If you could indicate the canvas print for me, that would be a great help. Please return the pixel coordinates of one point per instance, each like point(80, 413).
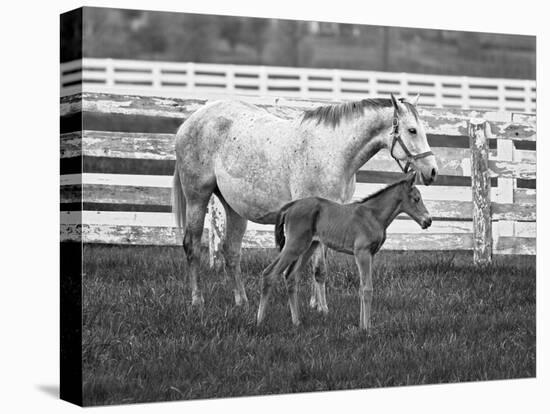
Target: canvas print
point(255, 206)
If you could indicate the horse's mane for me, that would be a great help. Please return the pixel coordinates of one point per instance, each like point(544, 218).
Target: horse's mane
point(382, 190)
point(333, 114)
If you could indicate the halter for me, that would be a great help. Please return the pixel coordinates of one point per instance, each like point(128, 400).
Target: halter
point(397, 138)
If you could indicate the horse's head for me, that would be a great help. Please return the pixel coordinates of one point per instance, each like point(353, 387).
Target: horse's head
point(413, 205)
point(408, 144)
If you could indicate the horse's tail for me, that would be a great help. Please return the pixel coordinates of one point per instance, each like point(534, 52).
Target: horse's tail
point(178, 199)
point(280, 227)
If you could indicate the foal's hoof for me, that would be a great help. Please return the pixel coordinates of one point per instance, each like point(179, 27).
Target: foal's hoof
point(366, 331)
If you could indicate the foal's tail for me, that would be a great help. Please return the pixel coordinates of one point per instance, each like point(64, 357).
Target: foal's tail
point(178, 199)
point(280, 226)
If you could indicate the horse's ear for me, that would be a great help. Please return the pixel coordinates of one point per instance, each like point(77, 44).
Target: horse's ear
point(414, 100)
point(394, 102)
point(411, 176)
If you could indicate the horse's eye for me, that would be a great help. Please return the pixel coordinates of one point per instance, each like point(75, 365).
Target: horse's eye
point(416, 199)
point(412, 131)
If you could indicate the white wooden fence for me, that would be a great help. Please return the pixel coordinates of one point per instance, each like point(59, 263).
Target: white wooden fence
point(118, 170)
point(171, 79)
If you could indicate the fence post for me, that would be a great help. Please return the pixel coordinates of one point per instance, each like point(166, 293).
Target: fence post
point(190, 69)
point(336, 84)
point(481, 191)
point(530, 95)
point(262, 80)
point(501, 96)
point(216, 229)
point(403, 85)
point(109, 73)
point(230, 79)
point(156, 82)
point(304, 92)
point(438, 86)
point(464, 96)
point(505, 189)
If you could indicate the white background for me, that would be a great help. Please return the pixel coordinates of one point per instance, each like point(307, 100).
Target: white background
point(29, 196)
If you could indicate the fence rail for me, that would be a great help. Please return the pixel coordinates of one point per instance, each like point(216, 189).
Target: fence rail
point(118, 170)
point(172, 79)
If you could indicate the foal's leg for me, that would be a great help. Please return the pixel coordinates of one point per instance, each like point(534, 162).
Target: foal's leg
point(269, 275)
point(235, 229)
point(267, 281)
point(292, 276)
point(318, 294)
point(196, 210)
point(363, 258)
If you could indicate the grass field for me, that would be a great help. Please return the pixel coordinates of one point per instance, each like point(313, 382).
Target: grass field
point(437, 319)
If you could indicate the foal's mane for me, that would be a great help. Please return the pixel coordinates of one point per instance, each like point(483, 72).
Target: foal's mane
point(333, 114)
point(383, 190)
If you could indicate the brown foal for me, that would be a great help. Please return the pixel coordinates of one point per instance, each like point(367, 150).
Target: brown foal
point(357, 228)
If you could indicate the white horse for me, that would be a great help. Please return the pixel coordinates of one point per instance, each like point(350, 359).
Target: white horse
point(256, 162)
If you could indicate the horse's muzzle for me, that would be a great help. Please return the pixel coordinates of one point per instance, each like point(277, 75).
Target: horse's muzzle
point(426, 223)
point(428, 179)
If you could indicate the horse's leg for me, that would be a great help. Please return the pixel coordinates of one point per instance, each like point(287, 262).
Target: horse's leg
point(234, 232)
point(196, 210)
point(318, 295)
point(363, 258)
point(292, 275)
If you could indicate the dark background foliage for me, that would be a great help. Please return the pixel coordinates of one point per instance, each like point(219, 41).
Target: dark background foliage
point(152, 35)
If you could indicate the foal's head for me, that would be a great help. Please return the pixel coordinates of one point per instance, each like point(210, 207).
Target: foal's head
point(413, 205)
